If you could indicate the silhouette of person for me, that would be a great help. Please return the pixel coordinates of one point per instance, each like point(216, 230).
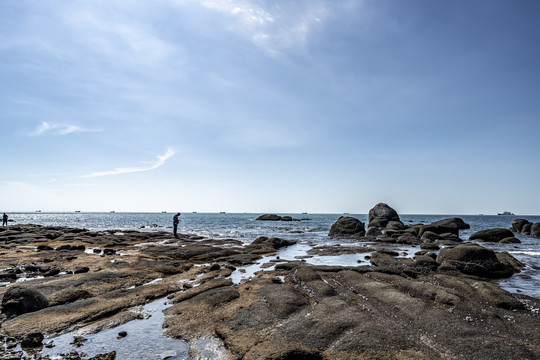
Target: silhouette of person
point(175, 225)
point(4, 219)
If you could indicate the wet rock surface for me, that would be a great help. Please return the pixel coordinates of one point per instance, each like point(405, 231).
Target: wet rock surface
point(427, 306)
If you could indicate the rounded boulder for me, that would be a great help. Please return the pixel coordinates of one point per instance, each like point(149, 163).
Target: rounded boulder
point(492, 235)
point(517, 224)
point(347, 227)
point(19, 300)
point(473, 259)
point(381, 214)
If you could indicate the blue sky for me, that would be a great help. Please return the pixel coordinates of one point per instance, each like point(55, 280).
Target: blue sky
point(270, 106)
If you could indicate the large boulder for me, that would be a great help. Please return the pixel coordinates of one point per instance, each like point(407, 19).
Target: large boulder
point(19, 300)
point(450, 225)
point(381, 214)
point(525, 227)
point(347, 227)
point(526, 230)
point(517, 224)
point(474, 259)
point(492, 235)
point(535, 230)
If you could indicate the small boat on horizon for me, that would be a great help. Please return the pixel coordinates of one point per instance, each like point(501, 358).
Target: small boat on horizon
point(506, 213)
point(163, 212)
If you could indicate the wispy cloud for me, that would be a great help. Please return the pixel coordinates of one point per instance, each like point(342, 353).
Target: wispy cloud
point(116, 37)
point(270, 28)
point(160, 160)
point(59, 129)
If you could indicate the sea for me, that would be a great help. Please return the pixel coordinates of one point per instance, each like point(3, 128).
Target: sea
point(309, 231)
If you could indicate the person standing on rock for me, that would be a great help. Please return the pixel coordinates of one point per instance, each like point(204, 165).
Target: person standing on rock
point(4, 219)
point(175, 224)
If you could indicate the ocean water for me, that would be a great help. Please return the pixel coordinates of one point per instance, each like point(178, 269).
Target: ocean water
point(311, 230)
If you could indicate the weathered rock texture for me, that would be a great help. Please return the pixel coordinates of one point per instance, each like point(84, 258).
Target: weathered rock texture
point(524, 227)
point(381, 214)
point(18, 300)
point(360, 314)
point(476, 260)
point(347, 227)
point(425, 307)
point(492, 235)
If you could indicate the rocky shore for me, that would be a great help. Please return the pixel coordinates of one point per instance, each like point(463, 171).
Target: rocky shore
point(439, 304)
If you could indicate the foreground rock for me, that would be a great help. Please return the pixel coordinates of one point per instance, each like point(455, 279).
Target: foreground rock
point(19, 300)
point(347, 227)
point(361, 314)
point(87, 287)
point(399, 308)
point(476, 260)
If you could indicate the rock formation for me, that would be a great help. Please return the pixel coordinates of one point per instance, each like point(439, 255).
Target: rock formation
point(347, 227)
point(492, 235)
point(19, 300)
point(274, 217)
point(381, 214)
point(425, 307)
point(474, 259)
point(524, 227)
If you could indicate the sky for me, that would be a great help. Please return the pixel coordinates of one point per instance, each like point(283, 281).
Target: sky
point(331, 106)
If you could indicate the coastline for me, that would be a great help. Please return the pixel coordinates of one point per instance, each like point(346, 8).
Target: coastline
point(399, 314)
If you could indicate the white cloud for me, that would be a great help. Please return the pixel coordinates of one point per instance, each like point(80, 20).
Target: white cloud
point(161, 159)
point(59, 129)
point(274, 30)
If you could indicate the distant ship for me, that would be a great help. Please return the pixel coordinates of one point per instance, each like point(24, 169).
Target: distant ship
point(506, 213)
point(77, 210)
point(112, 211)
point(163, 212)
point(38, 210)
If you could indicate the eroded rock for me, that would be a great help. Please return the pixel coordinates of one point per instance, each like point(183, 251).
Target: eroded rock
point(19, 300)
point(347, 227)
point(492, 235)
